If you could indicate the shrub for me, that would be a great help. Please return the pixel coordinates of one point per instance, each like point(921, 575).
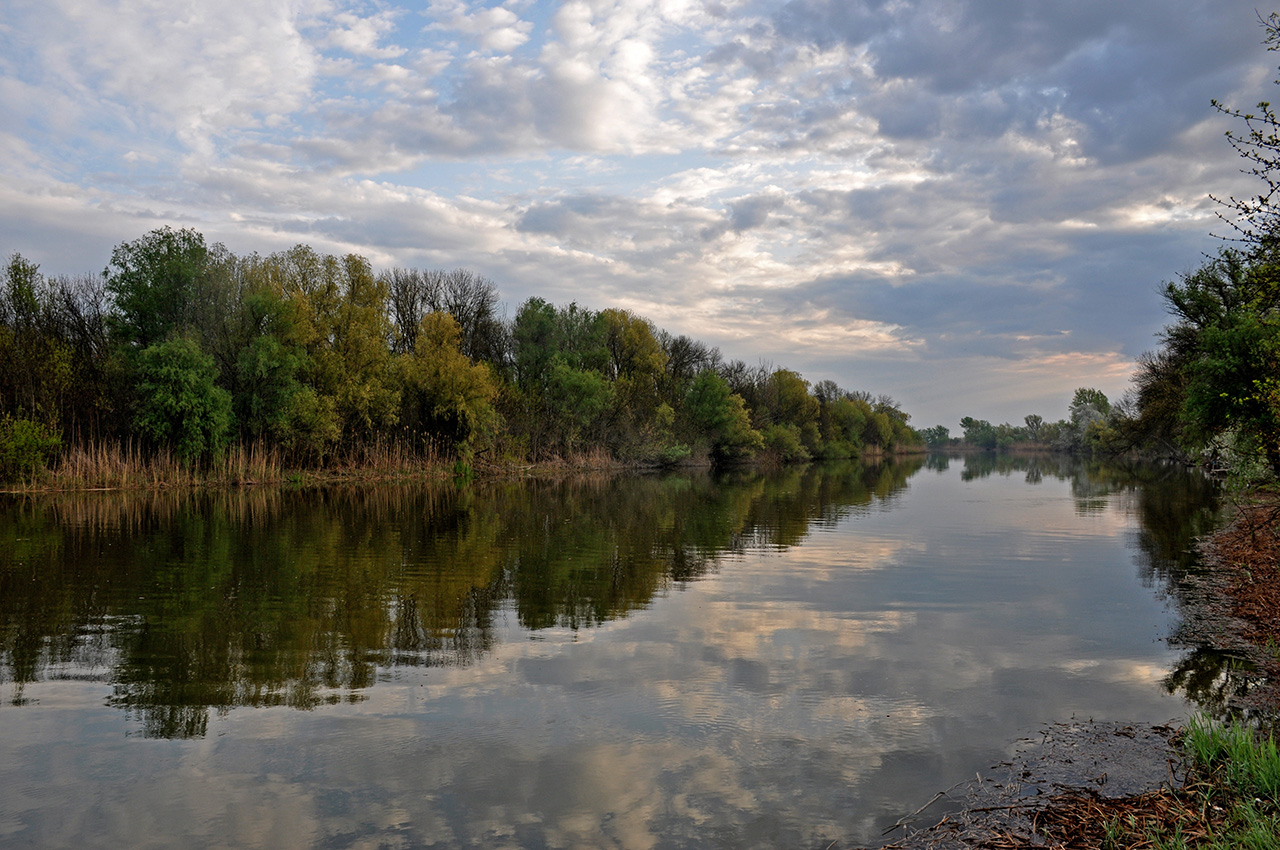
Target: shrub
point(783, 441)
point(25, 447)
point(178, 404)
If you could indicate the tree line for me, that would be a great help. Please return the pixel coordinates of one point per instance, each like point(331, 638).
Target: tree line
point(1090, 428)
point(185, 347)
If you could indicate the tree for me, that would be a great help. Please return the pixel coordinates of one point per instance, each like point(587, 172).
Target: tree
point(579, 401)
point(343, 324)
point(471, 300)
point(411, 294)
point(1035, 426)
point(686, 359)
point(979, 432)
point(937, 436)
point(1255, 220)
point(1220, 368)
point(844, 424)
point(25, 447)
point(720, 416)
point(153, 282)
point(445, 394)
point(635, 366)
point(1086, 402)
point(178, 404)
point(270, 398)
point(535, 338)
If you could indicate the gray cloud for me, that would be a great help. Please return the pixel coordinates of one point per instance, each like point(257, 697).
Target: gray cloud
point(859, 187)
point(1130, 76)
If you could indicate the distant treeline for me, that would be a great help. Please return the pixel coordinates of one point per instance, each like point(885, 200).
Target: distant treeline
point(1094, 426)
point(185, 348)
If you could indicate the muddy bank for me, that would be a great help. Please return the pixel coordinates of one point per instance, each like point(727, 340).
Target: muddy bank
point(1061, 788)
point(1068, 764)
point(1233, 609)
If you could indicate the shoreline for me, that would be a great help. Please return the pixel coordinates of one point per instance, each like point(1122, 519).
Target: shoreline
point(127, 471)
point(1065, 783)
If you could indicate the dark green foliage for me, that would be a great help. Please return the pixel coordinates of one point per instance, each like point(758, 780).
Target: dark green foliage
point(53, 349)
point(1214, 386)
point(178, 405)
point(153, 282)
point(979, 432)
point(268, 369)
point(580, 400)
point(718, 416)
point(1213, 389)
point(937, 436)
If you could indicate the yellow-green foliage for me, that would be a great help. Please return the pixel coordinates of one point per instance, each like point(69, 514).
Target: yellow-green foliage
point(344, 326)
point(444, 392)
point(25, 447)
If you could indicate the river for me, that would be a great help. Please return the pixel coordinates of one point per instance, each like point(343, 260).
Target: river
point(747, 660)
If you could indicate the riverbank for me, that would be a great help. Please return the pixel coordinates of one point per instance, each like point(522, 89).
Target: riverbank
point(1106, 785)
point(124, 466)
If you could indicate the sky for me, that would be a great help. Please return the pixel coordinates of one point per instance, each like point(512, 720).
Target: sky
point(968, 206)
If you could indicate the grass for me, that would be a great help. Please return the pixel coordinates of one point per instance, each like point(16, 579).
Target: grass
point(1230, 801)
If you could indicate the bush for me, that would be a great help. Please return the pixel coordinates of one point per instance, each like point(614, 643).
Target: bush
point(178, 404)
point(784, 443)
point(25, 447)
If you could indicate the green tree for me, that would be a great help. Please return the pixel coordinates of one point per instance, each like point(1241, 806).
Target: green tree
point(154, 282)
point(344, 325)
point(937, 436)
point(635, 366)
point(25, 447)
point(844, 424)
point(1217, 374)
point(536, 337)
point(178, 404)
point(579, 401)
point(270, 398)
point(719, 416)
point(784, 443)
point(979, 432)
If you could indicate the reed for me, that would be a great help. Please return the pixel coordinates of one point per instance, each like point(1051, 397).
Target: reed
point(112, 466)
point(255, 463)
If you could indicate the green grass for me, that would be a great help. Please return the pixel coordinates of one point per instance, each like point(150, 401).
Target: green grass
point(1234, 785)
point(1247, 762)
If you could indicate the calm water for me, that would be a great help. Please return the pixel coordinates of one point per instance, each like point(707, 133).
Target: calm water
point(746, 661)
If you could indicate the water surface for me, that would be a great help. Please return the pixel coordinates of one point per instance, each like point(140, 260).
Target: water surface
point(737, 661)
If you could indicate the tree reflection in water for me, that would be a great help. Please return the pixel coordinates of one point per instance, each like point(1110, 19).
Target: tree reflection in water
point(191, 603)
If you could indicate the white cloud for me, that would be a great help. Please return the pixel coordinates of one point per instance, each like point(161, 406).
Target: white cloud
point(361, 36)
point(782, 180)
point(496, 28)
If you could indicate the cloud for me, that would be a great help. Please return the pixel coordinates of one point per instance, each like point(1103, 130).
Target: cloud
point(360, 36)
point(495, 28)
point(851, 186)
